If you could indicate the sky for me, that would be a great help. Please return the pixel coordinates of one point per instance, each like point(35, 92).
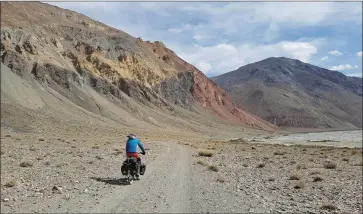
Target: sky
point(219, 37)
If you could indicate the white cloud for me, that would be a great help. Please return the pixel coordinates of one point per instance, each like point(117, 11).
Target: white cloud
point(272, 32)
point(359, 54)
point(357, 74)
point(324, 58)
point(343, 67)
point(204, 67)
point(335, 53)
point(186, 27)
point(226, 57)
point(232, 34)
point(198, 37)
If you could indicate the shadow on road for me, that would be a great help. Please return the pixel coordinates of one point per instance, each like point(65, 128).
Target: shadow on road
point(112, 181)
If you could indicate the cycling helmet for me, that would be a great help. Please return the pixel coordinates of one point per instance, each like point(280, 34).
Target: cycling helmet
point(132, 136)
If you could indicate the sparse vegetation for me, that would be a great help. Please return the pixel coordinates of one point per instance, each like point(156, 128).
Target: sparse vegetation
point(358, 164)
point(41, 139)
point(317, 179)
point(260, 165)
point(213, 168)
point(346, 159)
point(354, 152)
point(294, 177)
point(95, 147)
point(329, 165)
point(11, 183)
point(271, 179)
point(329, 207)
point(299, 185)
point(279, 153)
point(26, 164)
point(206, 153)
point(315, 172)
point(47, 163)
point(99, 157)
point(202, 162)
point(61, 165)
point(299, 166)
point(245, 165)
point(221, 180)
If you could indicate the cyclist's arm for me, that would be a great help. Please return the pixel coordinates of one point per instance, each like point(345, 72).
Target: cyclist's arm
point(141, 146)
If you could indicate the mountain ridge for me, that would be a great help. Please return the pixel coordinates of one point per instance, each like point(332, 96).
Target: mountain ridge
point(66, 51)
point(308, 93)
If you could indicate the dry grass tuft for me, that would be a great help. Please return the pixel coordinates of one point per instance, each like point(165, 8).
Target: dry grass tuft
point(61, 165)
point(354, 152)
point(271, 179)
point(260, 165)
point(294, 177)
point(315, 172)
point(213, 168)
point(329, 207)
point(300, 166)
point(202, 162)
point(206, 153)
point(41, 139)
point(11, 183)
point(317, 179)
point(299, 185)
point(358, 164)
point(221, 180)
point(329, 165)
point(279, 153)
point(26, 164)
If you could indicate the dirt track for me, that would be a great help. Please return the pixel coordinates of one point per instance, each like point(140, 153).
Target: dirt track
point(165, 187)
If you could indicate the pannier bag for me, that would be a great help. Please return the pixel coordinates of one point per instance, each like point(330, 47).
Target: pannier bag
point(142, 169)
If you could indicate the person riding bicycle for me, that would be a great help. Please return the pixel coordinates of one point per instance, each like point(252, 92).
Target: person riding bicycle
point(131, 149)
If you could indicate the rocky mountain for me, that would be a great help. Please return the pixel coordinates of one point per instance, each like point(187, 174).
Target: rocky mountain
point(291, 93)
point(71, 56)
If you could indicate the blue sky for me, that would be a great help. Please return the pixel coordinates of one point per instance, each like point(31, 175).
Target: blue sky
point(218, 37)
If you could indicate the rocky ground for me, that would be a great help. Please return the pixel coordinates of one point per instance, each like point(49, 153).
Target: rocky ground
point(260, 178)
point(70, 174)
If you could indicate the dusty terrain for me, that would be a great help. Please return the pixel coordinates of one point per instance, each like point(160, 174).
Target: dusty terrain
point(70, 174)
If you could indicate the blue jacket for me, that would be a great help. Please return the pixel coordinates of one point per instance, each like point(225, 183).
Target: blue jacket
point(131, 145)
